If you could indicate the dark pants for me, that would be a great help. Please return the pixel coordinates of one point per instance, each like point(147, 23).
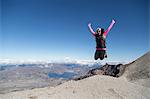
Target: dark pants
point(100, 54)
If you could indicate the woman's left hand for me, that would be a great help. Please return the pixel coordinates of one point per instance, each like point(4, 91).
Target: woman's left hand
point(113, 21)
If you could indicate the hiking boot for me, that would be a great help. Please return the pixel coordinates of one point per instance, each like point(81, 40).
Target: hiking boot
point(105, 55)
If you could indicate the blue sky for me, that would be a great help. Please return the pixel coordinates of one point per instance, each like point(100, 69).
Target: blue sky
point(56, 29)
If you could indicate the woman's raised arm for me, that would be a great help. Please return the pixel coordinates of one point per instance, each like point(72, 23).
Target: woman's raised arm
point(109, 28)
point(90, 28)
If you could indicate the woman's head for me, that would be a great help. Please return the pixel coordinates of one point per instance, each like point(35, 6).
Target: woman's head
point(100, 31)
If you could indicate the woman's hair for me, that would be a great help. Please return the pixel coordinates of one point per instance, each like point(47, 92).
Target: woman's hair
point(102, 31)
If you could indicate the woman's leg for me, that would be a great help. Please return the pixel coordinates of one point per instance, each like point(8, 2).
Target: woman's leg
point(102, 54)
point(96, 56)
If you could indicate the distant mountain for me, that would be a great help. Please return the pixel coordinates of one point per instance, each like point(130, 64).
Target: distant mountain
point(20, 76)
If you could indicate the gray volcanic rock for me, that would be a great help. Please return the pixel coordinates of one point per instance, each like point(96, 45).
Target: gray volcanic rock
point(107, 69)
point(139, 70)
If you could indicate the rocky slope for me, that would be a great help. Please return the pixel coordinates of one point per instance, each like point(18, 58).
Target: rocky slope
point(139, 71)
point(95, 87)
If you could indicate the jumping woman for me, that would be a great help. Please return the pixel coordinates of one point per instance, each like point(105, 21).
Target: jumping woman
point(100, 37)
